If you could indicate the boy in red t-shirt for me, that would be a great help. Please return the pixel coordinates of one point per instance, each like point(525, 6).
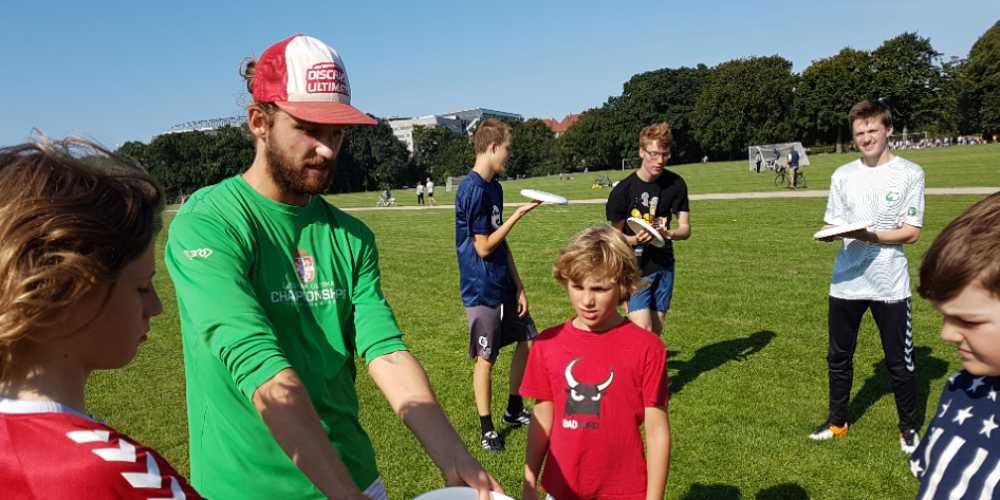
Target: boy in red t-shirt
point(596, 379)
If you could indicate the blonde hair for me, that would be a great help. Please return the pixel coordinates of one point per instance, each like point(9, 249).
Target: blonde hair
point(599, 252)
point(72, 215)
point(248, 68)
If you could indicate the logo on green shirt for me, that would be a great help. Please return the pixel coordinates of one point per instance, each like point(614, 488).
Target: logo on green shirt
point(304, 266)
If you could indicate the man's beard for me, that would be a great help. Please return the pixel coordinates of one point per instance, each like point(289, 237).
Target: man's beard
point(296, 180)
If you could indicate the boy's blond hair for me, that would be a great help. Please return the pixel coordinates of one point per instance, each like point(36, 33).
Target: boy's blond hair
point(659, 132)
point(598, 252)
point(966, 252)
point(491, 131)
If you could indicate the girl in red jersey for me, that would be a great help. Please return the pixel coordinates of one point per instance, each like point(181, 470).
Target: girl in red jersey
point(77, 226)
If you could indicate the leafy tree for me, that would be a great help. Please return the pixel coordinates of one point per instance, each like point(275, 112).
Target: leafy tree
point(664, 95)
point(908, 80)
point(746, 101)
point(370, 158)
point(827, 91)
point(441, 152)
point(533, 149)
point(586, 145)
point(979, 86)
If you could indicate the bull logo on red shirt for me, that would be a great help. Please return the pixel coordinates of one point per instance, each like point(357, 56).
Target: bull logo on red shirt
point(304, 266)
point(585, 399)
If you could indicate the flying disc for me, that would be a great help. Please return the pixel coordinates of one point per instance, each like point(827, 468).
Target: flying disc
point(846, 228)
point(639, 225)
point(535, 194)
point(459, 493)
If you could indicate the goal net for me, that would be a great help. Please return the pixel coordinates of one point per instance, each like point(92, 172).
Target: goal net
point(769, 160)
point(453, 183)
point(631, 163)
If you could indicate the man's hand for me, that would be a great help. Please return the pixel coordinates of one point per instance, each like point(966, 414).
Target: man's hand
point(642, 237)
point(860, 234)
point(468, 472)
point(522, 302)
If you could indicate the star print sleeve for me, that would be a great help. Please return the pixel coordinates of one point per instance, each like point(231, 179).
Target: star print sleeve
point(211, 268)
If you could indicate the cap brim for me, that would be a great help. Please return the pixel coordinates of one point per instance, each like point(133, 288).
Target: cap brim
point(330, 113)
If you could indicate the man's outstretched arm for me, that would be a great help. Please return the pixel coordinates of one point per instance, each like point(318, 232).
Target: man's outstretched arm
point(405, 385)
point(286, 409)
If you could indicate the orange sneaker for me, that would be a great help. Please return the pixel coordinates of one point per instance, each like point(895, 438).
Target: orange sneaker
point(828, 430)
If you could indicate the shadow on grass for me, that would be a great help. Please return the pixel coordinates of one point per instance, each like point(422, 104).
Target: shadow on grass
point(713, 356)
point(878, 385)
point(787, 491)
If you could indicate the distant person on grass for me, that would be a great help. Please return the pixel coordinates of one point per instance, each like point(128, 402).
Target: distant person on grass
point(492, 293)
point(793, 166)
point(758, 159)
point(420, 193)
point(430, 192)
point(656, 195)
point(960, 275)
point(77, 259)
point(871, 268)
point(596, 379)
point(277, 292)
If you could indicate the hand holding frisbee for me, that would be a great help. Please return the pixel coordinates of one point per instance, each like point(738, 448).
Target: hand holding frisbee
point(842, 229)
point(639, 225)
point(459, 493)
point(535, 194)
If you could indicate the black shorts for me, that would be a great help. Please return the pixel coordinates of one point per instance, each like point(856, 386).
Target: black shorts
point(492, 328)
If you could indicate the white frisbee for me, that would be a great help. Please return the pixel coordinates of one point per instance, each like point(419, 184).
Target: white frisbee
point(459, 493)
point(639, 225)
point(846, 228)
point(535, 194)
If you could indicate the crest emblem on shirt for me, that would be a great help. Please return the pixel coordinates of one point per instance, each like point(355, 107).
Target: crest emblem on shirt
point(892, 196)
point(304, 266)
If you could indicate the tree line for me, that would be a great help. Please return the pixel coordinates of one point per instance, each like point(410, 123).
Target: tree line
point(713, 111)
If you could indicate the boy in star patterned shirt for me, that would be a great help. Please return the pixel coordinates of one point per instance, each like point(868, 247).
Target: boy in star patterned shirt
point(960, 455)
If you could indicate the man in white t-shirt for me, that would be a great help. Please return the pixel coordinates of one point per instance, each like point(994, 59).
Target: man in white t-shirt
point(430, 192)
point(871, 270)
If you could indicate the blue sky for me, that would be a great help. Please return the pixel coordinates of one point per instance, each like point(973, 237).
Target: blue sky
point(117, 71)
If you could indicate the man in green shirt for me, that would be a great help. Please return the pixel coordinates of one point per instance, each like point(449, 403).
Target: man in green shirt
point(277, 290)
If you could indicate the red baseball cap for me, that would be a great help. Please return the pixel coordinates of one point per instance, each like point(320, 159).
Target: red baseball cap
point(306, 79)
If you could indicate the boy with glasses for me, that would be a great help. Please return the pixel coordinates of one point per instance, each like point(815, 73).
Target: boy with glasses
point(655, 195)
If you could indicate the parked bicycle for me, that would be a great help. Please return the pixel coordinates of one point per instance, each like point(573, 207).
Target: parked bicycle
point(781, 180)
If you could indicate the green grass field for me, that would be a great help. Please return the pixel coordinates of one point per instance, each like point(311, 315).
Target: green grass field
point(746, 338)
point(957, 166)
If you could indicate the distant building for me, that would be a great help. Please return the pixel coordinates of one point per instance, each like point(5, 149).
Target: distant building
point(560, 127)
point(462, 122)
point(208, 126)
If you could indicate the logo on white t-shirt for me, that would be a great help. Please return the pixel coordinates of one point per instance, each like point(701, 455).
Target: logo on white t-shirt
point(892, 195)
point(304, 266)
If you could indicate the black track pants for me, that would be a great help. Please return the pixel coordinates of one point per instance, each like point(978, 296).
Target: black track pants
point(894, 322)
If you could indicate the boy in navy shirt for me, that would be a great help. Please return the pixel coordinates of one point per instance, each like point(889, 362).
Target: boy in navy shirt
point(960, 454)
point(494, 298)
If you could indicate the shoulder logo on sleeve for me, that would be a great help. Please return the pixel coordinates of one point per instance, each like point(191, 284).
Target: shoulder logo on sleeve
point(912, 212)
point(199, 252)
point(495, 220)
point(304, 266)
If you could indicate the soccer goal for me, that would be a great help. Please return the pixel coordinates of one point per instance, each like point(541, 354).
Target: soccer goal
point(631, 163)
point(769, 160)
point(453, 183)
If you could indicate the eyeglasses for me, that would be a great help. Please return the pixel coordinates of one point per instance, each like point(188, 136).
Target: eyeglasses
point(658, 154)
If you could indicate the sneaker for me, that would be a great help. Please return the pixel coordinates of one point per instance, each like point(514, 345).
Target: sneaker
point(828, 430)
point(909, 440)
point(491, 441)
point(523, 418)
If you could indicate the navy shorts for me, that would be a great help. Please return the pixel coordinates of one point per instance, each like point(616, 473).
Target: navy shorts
point(656, 295)
point(492, 328)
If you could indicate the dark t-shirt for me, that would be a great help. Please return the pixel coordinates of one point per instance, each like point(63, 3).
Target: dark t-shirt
point(479, 210)
point(633, 197)
point(794, 155)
